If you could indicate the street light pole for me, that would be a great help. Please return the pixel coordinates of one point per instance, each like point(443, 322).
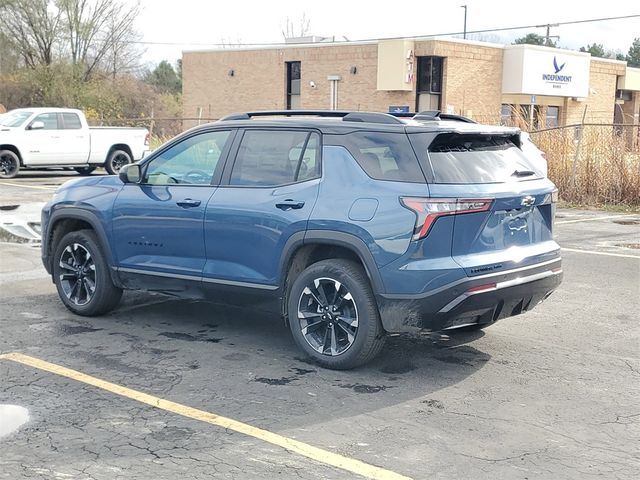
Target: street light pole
point(464, 35)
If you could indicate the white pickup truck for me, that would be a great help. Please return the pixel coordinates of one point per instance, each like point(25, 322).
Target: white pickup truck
point(41, 138)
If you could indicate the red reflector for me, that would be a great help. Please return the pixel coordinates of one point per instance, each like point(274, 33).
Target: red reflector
point(482, 288)
point(558, 269)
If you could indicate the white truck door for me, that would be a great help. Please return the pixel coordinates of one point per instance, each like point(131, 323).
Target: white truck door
point(44, 144)
point(75, 139)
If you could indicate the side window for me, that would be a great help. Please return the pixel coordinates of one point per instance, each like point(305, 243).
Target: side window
point(385, 156)
point(50, 120)
point(193, 161)
point(271, 158)
point(71, 121)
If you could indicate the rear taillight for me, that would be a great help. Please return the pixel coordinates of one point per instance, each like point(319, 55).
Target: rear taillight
point(146, 140)
point(428, 210)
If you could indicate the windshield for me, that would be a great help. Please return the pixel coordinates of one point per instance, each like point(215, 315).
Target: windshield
point(14, 119)
point(457, 158)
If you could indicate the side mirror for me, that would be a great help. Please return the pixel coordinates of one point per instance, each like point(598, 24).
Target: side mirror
point(38, 125)
point(130, 173)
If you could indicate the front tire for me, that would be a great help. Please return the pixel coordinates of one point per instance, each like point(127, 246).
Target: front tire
point(81, 275)
point(9, 164)
point(116, 160)
point(333, 315)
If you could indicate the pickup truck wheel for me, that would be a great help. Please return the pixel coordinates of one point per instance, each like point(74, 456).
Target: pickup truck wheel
point(333, 315)
point(84, 170)
point(117, 159)
point(9, 164)
point(81, 275)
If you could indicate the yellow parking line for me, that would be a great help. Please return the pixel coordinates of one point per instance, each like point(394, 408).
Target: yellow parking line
point(590, 219)
point(27, 186)
point(309, 451)
point(593, 252)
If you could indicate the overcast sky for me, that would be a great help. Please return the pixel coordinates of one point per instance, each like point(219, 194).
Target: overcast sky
point(193, 22)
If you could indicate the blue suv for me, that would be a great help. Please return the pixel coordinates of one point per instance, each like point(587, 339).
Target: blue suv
point(351, 225)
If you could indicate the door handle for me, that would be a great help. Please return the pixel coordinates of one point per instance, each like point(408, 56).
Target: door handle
point(289, 204)
point(188, 203)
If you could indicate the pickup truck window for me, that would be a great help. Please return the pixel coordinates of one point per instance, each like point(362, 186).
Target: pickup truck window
point(71, 121)
point(15, 119)
point(50, 120)
point(192, 161)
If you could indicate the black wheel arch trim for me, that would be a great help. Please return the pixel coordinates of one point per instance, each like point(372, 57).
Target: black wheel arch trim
point(331, 237)
point(75, 213)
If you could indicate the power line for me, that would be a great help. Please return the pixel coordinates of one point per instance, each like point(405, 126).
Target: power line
point(489, 30)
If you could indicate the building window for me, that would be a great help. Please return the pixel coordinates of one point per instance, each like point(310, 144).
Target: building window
point(429, 87)
point(293, 85)
point(551, 120)
point(506, 114)
point(528, 118)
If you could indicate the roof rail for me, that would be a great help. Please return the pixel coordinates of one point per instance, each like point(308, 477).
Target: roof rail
point(433, 115)
point(367, 117)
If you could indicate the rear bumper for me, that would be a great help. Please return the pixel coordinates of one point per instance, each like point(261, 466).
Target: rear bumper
point(477, 300)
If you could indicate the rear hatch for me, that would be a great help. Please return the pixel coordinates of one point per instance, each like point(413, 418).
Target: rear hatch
point(506, 206)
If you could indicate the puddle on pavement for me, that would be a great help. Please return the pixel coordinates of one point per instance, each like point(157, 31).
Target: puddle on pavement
point(627, 222)
point(12, 417)
point(635, 246)
point(20, 223)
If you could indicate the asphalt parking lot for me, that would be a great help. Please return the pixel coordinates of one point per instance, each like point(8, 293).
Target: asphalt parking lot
point(199, 391)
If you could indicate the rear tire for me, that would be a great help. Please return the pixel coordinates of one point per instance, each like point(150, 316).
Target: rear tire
point(9, 164)
point(81, 275)
point(116, 160)
point(333, 315)
point(84, 171)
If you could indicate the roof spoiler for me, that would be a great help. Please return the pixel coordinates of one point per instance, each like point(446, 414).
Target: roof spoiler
point(432, 115)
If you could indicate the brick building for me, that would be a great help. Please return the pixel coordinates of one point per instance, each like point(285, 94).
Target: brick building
point(490, 83)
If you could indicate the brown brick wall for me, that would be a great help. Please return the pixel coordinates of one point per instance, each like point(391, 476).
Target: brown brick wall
point(600, 104)
point(259, 79)
point(472, 78)
point(472, 81)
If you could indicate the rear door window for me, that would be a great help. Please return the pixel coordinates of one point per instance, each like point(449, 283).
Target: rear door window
point(384, 156)
point(268, 158)
point(479, 158)
point(71, 121)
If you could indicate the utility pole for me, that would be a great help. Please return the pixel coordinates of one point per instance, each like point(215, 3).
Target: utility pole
point(548, 36)
point(464, 35)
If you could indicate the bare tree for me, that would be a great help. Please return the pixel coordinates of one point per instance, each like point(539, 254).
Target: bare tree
point(290, 31)
point(92, 34)
point(32, 28)
point(99, 33)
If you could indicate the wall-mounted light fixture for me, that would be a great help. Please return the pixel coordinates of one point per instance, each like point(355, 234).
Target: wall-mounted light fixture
point(312, 84)
point(231, 73)
point(353, 70)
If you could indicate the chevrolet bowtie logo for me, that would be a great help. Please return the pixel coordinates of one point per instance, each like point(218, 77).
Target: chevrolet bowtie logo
point(528, 201)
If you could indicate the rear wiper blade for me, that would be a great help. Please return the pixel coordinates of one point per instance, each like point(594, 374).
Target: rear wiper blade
point(523, 173)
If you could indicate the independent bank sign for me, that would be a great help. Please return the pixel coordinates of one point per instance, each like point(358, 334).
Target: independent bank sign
point(536, 70)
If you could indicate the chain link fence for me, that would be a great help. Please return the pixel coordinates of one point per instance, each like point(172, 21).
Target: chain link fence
point(593, 163)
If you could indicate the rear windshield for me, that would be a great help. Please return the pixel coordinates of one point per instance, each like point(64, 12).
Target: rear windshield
point(464, 158)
